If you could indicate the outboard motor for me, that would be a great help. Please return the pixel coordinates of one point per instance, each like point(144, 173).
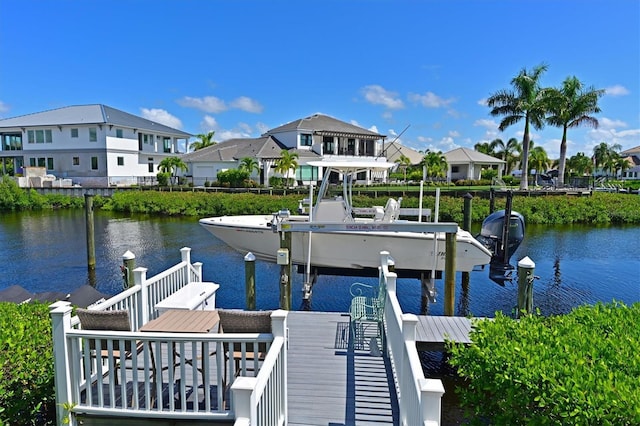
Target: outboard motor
point(492, 235)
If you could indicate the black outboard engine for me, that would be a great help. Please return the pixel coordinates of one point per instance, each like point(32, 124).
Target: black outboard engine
point(492, 236)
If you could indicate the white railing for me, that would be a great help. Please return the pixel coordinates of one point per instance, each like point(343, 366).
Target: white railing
point(262, 400)
point(419, 398)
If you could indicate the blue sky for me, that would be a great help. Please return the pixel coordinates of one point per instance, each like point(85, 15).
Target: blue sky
point(242, 67)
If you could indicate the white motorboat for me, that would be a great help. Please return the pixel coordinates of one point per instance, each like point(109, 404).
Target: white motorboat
point(350, 249)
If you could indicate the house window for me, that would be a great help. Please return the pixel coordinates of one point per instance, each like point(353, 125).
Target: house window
point(74, 133)
point(306, 139)
point(49, 163)
point(41, 162)
point(32, 162)
point(454, 169)
point(39, 136)
point(307, 173)
point(93, 134)
point(119, 133)
point(166, 144)
point(12, 142)
point(120, 161)
point(150, 159)
point(94, 163)
point(76, 161)
point(327, 144)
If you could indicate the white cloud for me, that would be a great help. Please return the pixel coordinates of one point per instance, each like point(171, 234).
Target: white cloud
point(377, 95)
point(374, 128)
point(482, 102)
point(454, 133)
point(616, 90)
point(161, 116)
point(487, 124)
point(209, 104)
point(262, 128)
point(430, 100)
point(3, 107)
point(208, 124)
point(609, 124)
point(246, 104)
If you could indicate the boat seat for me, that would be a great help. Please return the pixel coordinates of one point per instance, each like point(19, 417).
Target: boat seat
point(391, 210)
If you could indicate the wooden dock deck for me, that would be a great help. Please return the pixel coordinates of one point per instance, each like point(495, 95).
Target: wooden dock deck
point(330, 384)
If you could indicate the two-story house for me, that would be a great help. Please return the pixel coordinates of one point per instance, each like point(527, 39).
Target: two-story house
point(312, 138)
point(91, 145)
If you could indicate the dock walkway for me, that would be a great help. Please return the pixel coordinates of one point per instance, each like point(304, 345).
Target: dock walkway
point(330, 384)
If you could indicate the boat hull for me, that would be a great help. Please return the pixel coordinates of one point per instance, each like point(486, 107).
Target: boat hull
point(347, 250)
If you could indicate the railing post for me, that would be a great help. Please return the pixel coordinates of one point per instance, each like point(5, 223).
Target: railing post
point(409, 325)
point(242, 390)
point(197, 267)
point(279, 329)
point(431, 391)
point(185, 253)
point(140, 278)
point(61, 323)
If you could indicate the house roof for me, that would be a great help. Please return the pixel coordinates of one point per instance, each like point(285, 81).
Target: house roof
point(466, 156)
point(89, 114)
point(631, 151)
point(393, 151)
point(324, 125)
point(236, 149)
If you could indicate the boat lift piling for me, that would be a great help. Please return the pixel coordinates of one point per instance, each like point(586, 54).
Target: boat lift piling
point(250, 280)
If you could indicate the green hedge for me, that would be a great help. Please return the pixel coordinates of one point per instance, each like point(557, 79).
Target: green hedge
point(582, 368)
point(26, 365)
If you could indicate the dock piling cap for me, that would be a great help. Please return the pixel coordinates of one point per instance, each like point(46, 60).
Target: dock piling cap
point(250, 257)
point(128, 255)
point(526, 262)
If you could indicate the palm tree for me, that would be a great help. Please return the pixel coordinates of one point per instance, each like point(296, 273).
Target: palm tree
point(204, 141)
point(604, 155)
point(580, 164)
point(507, 152)
point(539, 160)
point(569, 107)
point(403, 162)
point(172, 165)
point(286, 162)
point(526, 102)
point(484, 147)
point(436, 164)
point(249, 164)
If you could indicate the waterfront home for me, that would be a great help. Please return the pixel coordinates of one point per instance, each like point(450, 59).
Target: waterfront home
point(90, 145)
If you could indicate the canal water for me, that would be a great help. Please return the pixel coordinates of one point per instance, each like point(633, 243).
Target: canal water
point(576, 265)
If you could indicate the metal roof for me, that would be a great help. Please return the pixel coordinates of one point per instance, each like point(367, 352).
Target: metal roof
point(89, 114)
point(466, 155)
point(237, 149)
point(324, 125)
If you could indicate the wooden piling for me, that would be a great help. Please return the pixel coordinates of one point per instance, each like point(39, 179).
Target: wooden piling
point(285, 272)
point(250, 280)
point(91, 242)
point(450, 274)
point(526, 267)
point(128, 265)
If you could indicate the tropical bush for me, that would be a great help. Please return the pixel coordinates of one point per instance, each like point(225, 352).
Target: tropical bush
point(163, 178)
point(233, 178)
point(26, 365)
point(582, 368)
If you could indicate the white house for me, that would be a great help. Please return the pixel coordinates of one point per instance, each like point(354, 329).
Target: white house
point(92, 145)
point(312, 138)
point(465, 163)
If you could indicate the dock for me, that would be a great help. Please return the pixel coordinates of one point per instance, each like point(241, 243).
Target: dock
point(329, 383)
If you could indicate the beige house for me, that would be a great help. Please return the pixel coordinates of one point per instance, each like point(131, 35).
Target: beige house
point(465, 163)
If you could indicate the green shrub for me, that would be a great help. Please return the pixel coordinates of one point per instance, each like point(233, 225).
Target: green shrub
point(163, 178)
point(582, 368)
point(234, 178)
point(26, 365)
